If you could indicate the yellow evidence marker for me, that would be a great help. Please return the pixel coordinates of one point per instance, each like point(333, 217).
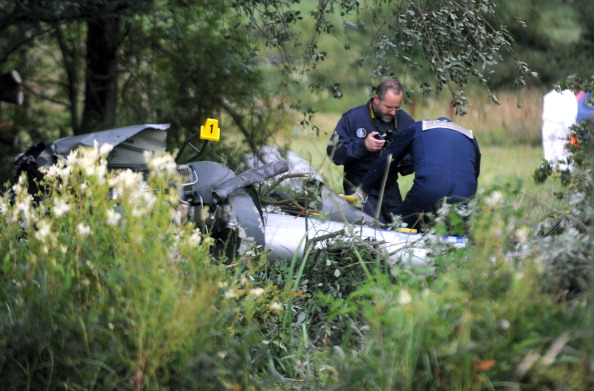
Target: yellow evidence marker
point(210, 130)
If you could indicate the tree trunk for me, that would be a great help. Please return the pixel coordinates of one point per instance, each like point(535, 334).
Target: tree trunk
point(100, 103)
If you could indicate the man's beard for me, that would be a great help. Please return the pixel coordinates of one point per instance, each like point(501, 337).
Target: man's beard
point(385, 117)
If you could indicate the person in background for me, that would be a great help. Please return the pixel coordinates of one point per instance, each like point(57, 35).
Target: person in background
point(560, 109)
point(447, 162)
point(584, 110)
point(360, 137)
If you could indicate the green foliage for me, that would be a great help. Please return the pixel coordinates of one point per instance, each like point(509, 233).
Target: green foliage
point(567, 243)
point(552, 37)
point(442, 44)
point(211, 64)
point(470, 329)
point(512, 309)
point(253, 63)
point(104, 287)
point(485, 317)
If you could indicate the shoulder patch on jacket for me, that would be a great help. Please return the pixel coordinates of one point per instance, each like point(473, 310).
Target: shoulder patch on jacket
point(433, 124)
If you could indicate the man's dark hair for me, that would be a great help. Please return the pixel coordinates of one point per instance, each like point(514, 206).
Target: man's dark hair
point(388, 84)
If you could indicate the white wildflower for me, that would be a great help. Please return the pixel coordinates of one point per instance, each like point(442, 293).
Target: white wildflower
point(43, 230)
point(142, 200)
point(404, 297)
point(3, 206)
point(256, 292)
point(58, 170)
point(275, 306)
point(79, 158)
point(83, 230)
point(522, 234)
point(63, 249)
point(163, 162)
point(20, 186)
point(61, 207)
point(113, 217)
point(195, 238)
point(105, 149)
point(23, 208)
point(125, 182)
point(504, 324)
point(149, 199)
point(90, 160)
point(139, 210)
point(230, 294)
point(101, 171)
point(494, 199)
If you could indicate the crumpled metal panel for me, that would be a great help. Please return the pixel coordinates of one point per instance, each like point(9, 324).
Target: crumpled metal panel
point(156, 141)
point(129, 143)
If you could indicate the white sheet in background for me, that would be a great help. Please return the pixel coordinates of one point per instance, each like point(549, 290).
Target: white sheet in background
point(558, 114)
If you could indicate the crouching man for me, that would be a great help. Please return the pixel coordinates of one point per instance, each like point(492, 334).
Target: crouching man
point(447, 161)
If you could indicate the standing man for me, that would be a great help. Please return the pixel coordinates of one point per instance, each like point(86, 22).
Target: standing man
point(360, 138)
point(447, 164)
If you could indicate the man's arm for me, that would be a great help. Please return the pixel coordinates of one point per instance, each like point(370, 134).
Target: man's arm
point(398, 148)
point(344, 143)
point(405, 165)
point(477, 164)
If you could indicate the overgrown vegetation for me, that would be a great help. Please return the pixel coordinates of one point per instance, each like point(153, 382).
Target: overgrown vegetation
point(568, 268)
point(105, 288)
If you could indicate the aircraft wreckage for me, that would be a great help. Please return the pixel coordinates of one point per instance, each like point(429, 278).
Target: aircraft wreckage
point(226, 206)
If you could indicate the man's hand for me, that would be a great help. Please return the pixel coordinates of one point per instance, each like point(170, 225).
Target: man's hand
point(373, 144)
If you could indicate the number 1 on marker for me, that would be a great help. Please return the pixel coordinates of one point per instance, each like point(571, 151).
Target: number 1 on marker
point(214, 134)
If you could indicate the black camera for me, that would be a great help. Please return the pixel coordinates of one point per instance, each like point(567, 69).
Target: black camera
point(380, 136)
point(388, 136)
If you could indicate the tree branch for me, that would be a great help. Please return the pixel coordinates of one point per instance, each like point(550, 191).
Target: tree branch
point(560, 212)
